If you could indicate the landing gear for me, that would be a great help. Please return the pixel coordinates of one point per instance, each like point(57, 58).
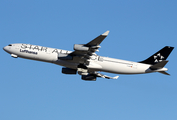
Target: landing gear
point(82, 69)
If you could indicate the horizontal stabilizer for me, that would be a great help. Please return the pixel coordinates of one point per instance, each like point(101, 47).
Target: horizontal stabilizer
point(163, 72)
point(159, 65)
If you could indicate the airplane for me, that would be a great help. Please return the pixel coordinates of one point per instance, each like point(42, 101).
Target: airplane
point(84, 61)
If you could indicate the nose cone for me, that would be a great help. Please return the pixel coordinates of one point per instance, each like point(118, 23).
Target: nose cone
point(5, 48)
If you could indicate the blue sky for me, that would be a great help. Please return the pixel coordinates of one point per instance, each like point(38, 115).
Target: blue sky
point(36, 90)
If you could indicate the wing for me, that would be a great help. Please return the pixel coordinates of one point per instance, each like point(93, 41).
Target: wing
point(82, 55)
point(97, 41)
point(93, 76)
point(86, 50)
point(105, 76)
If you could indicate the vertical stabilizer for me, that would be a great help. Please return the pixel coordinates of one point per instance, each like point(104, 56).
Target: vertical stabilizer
point(159, 56)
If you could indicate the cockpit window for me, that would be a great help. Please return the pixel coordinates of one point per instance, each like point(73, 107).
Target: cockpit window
point(9, 45)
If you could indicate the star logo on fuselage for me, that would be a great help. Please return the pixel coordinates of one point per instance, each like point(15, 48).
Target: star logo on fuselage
point(158, 57)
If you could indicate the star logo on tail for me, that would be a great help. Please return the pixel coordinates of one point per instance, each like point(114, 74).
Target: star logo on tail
point(158, 58)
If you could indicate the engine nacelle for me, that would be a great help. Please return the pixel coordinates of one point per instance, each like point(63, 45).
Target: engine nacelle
point(89, 77)
point(80, 47)
point(64, 57)
point(69, 71)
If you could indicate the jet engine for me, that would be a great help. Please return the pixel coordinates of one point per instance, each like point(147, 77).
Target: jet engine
point(89, 77)
point(69, 71)
point(80, 47)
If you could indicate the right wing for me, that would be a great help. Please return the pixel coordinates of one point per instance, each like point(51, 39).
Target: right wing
point(97, 41)
point(82, 55)
point(86, 50)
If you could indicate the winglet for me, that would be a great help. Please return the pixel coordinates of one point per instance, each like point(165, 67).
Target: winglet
point(106, 33)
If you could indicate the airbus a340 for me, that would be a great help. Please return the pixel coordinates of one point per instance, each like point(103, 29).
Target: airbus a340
point(84, 61)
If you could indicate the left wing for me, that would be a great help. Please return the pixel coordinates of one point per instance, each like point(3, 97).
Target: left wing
point(94, 75)
point(105, 76)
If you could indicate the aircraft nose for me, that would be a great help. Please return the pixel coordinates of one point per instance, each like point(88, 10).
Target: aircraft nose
point(5, 48)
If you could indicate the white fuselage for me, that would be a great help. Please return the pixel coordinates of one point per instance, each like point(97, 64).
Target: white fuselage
point(97, 63)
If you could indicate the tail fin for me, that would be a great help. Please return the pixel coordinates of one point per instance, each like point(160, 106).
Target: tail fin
point(159, 56)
